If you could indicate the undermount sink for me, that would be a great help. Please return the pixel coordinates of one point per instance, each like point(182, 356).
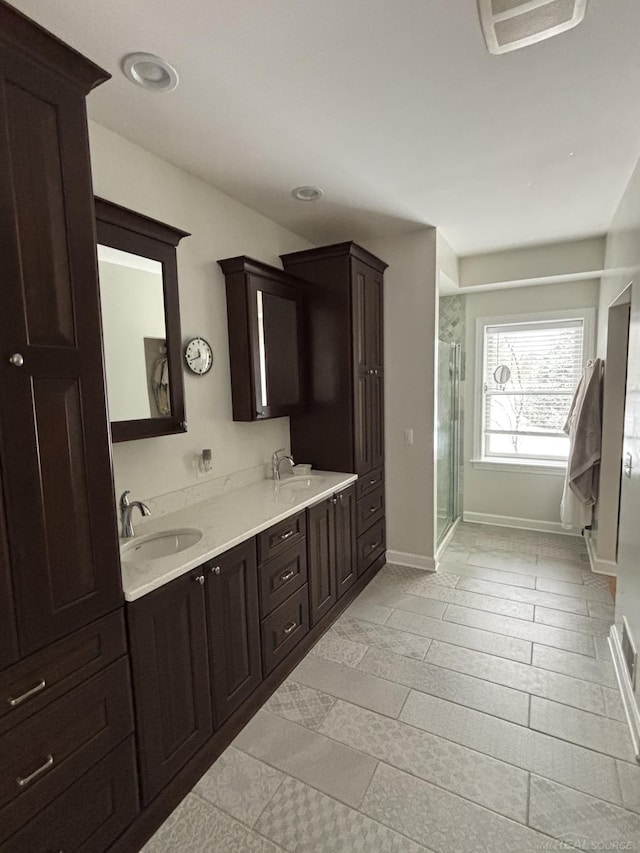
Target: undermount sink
point(157, 545)
point(299, 482)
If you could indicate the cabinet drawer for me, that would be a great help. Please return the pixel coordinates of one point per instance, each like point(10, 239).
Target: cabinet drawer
point(48, 752)
point(370, 509)
point(90, 814)
point(370, 546)
point(368, 482)
point(34, 682)
point(284, 628)
point(277, 538)
point(282, 576)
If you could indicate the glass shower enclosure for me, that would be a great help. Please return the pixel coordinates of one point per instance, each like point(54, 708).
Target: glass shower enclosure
point(447, 438)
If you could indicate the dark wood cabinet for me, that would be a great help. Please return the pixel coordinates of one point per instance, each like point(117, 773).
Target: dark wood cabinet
point(331, 553)
point(54, 445)
point(233, 628)
point(265, 316)
point(342, 426)
point(170, 664)
point(345, 538)
point(321, 546)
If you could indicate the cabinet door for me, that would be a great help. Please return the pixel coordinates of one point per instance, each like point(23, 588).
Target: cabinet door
point(345, 532)
point(8, 630)
point(55, 441)
point(234, 628)
point(362, 424)
point(375, 420)
point(170, 664)
point(321, 559)
point(367, 308)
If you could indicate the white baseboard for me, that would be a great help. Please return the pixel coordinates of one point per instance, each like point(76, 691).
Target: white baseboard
point(626, 689)
point(520, 523)
point(412, 561)
point(599, 567)
point(447, 538)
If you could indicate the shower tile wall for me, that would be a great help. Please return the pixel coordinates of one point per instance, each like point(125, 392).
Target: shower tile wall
point(452, 312)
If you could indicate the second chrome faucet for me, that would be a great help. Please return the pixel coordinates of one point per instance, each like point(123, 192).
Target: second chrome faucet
point(126, 510)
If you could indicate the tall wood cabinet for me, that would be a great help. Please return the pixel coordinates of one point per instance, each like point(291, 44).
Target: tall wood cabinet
point(342, 427)
point(66, 725)
point(59, 558)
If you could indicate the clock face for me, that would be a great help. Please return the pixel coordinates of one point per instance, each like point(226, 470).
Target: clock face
point(198, 356)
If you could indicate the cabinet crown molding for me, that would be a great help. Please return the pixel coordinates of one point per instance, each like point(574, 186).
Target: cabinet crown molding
point(337, 250)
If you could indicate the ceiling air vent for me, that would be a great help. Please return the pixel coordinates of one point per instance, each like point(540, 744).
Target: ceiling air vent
point(511, 24)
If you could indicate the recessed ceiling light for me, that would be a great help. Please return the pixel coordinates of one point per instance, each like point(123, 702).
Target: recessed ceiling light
point(149, 71)
point(571, 153)
point(307, 193)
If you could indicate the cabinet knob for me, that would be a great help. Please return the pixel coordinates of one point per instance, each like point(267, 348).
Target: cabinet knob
point(215, 570)
point(334, 500)
point(16, 359)
point(199, 579)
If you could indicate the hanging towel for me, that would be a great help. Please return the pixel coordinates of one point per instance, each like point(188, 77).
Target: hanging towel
point(584, 428)
point(160, 386)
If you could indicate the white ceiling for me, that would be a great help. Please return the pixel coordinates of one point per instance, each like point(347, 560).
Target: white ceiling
point(394, 107)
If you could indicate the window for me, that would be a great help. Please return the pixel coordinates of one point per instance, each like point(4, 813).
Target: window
point(529, 369)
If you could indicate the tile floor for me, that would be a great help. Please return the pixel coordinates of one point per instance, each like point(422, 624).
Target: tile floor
point(471, 710)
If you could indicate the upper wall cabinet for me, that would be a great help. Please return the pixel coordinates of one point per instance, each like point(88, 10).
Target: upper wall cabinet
point(266, 339)
point(141, 322)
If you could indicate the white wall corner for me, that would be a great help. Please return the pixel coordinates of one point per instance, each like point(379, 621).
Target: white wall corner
point(626, 689)
point(411, 561)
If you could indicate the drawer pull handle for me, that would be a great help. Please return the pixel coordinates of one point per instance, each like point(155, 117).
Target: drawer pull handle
point(374, 545)
point(22, 782)
point(372, 482)
point(287, 535)
point(20, 699)
point(286, 576)
point(373, 508)
point(289, 628)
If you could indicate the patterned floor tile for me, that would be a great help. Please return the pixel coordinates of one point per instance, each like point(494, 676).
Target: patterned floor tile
point(598, 733)
point(338, 771)
point(629, 775)
point(586, 822)
point(530, 596)
point(476, 777)
point(300, 704)
point(529, 679)
point(442, 821)
point(448, 684)
point(595, 581)
point(355, 686)
point(239, 784)
point(469, 637)
point(302, 819)
point(198, 827)
point(590, 593)
point(495, 575)
point(542, 754)
point(533, 632)
point(579, 666)
point(332, 647)
point(381, 636)
point(584, 624)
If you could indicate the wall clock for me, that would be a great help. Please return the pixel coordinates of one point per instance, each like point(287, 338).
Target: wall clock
point(198, 356)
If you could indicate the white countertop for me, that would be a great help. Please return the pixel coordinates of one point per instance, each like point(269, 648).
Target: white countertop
point(225, 521)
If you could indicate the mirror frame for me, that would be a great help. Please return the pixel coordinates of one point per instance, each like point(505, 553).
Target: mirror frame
point(121, 228)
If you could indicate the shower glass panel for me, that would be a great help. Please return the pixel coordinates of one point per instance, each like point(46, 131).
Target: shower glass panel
point(447, 437)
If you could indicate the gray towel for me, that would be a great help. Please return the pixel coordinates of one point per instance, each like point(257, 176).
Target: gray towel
point(584, 427)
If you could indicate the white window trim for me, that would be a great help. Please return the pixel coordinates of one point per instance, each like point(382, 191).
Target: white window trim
point(522, 466)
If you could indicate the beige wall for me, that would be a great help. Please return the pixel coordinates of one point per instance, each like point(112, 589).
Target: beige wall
point(410, 304)
point(513, 494)
point(220, 228)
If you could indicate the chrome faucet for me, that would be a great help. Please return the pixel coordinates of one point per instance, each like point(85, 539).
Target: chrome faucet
point(276, 459)
point(126, 510)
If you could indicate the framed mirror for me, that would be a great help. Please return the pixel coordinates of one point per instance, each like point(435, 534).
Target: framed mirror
point(140, 322)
